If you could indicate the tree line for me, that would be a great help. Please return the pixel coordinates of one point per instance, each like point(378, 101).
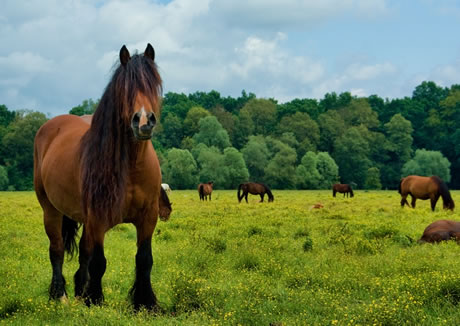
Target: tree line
point(369, 142)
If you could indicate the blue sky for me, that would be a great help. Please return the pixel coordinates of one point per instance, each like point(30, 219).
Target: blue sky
point(56, 53)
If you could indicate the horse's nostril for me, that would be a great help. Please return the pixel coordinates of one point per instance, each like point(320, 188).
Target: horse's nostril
point(145, 129)
point(152, 119)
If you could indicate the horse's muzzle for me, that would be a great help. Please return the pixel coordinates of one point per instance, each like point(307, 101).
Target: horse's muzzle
point(143, 124)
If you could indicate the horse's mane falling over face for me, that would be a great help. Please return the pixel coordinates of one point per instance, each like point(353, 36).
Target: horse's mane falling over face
point(109, 147)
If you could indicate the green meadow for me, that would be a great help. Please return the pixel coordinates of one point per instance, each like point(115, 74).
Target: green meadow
point(356, 261)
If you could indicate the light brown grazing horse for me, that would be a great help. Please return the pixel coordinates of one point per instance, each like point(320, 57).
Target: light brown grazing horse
point(205, 190)
point(100, 172)
point(441, 230)
point(425, 188)
point(343, 188)
point(254, 189)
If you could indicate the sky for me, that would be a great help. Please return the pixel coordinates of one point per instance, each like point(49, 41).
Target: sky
point(56, 53)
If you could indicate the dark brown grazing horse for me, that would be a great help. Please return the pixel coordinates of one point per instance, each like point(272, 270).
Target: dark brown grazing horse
point(425, 188)
point(100, 172)
point(254, 189)
point(343, 188)
point(441, 230)
point(205, 190)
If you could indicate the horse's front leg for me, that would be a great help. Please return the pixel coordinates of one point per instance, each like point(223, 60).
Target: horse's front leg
point(142, 294)
point(262, 198)
point(88, 278)
point(434, 200)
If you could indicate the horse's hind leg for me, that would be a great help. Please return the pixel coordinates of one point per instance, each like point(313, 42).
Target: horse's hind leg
point(246, 196)
point(413, 201)
point(53, 228)
point(142, 293)
point(88, 278)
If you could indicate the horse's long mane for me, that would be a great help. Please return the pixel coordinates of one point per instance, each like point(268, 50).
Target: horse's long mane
point(444, 192)
point(268, 191)
point(108, 148)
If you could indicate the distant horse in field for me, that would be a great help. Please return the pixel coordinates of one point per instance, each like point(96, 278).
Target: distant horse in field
point(343, 188)
point(441, 230)
point(100, 171)
point(425, 188)
point(254, 189)
point(205, 190)
point(166, 187)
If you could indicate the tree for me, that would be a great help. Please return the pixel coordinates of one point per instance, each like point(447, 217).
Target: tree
point(352, 156)
point(192, 119)
point(332, 126)
point(307, 175)
point(398, 146)
point(302, 126)
point(3, 178)
point(172, 133)
point(235, 168)
point(428, 163)
point(180, 170)
point(212, 133)
point(86, 107)
point(256, 156)
point(18, 148)
point(372, 179)
point(263, 115)
point(211, 165)
point(359, 112)
point(280, 171)
point(327, 169)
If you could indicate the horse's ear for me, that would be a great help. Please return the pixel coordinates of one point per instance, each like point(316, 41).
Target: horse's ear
point(124, 55)
point(149, 52)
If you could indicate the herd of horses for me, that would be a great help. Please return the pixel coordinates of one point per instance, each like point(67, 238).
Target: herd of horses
point(102, 170)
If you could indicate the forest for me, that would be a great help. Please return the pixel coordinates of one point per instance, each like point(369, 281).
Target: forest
point(369, 142)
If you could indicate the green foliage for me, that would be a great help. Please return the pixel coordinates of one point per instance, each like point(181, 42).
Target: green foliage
point(192, 119)
point(428, 163)
point(212, 134)
point(17, 146)
point(262, 114)
point(256, 156)
point(373, 179)
point(86, 107)
point(235, 168)
point(180, 171)
point(4, 182)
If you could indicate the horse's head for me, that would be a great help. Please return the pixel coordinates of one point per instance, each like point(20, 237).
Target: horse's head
point(144, 87)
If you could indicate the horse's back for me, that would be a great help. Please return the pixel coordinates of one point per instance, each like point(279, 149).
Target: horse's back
point(419, 186)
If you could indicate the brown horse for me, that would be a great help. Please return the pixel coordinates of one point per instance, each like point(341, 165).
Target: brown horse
point(205, 190)
point(441, 230)
point(425, 188)
point(343, 188)
point(254, 189)
point(100, 172)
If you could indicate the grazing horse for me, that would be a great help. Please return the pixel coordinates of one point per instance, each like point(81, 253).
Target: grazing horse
point(254, 189)
point(101, 171)
point(425, 188)
point(441, 230)
point(344, 189)
point(205, 190)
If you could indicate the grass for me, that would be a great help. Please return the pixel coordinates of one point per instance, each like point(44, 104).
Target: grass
point(354, 262)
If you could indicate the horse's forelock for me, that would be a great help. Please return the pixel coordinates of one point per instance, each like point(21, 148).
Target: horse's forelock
point(109, 144)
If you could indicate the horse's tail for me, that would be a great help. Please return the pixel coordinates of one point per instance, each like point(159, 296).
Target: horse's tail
point(269, 192)
point(239, 192)
point(201, 191)
point(444, 192)
point(69, 234)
